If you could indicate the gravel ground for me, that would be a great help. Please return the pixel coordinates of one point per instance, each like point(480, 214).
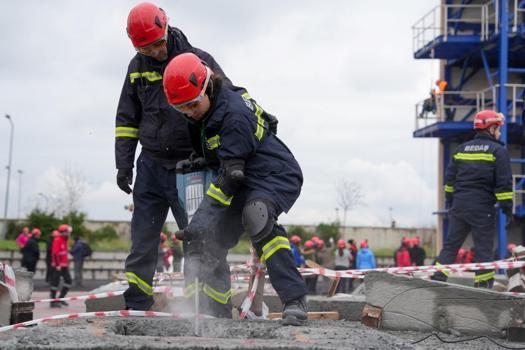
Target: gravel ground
point(157, 333)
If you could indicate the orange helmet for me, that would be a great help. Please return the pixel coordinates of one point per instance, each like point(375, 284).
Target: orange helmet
point(487, 118)
point(308, 244)
point(341, 243)
point(147, 24)
point(295, 239)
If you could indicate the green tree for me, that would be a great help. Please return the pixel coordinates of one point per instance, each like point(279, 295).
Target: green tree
point(104, 233)
point(327, 231)
point(299, 231)
point(46, 222)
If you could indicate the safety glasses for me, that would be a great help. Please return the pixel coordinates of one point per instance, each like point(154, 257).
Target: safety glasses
point(145, 50)
point(192, 104)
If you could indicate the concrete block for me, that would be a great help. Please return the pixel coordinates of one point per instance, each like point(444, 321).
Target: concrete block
point(22, 312)
point(24, 284)
point(414, 304)
point(349, 307)
point(5, 305)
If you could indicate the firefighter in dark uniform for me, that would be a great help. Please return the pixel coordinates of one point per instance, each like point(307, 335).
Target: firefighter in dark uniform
point(144, 115)
point(258, 179)
point(479, 176)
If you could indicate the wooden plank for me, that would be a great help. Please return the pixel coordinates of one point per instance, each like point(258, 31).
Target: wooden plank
point(333, 286)
point(313, 315)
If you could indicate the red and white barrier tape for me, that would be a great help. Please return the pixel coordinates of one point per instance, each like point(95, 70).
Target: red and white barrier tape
point(120, 313)
point(501, 264)
point(161, 289)
point(259, 272)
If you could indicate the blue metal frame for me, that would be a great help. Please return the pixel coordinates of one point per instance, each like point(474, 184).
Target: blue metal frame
point(492, 55)
point(501, 104)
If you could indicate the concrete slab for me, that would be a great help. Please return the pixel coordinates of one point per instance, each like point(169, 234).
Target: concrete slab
point(136, 333)
point(421, 305)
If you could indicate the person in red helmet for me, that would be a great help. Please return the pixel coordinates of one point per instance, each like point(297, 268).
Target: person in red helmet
point(478, 177)
point(343, 261)
point(295, 241)
point(49, 245)
point(417, 253)
point(365, 257)
point(22, 238)
point(30, 251)
point(258, 179)
point(402, 254)
point(60, 265)
point(144, 115)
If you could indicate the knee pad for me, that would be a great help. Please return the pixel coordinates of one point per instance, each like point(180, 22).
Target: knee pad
point(258, 220)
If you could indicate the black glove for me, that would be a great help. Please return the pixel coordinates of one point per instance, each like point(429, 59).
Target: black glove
point(181, 235)
point(124, 179)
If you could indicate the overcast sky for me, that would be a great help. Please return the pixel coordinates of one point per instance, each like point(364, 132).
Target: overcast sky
point(339, 75)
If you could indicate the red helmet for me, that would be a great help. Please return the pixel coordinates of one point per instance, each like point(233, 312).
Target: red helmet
point(295, 239)
point(364, 244)
point(184, 78)
point(308, 244)
point(341, 243)
point(36, 232)
point(320, 243)
point(487, 118)
point(147, 23)
point(64, 228)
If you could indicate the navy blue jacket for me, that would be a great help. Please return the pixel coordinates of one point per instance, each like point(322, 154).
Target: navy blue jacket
point(479, 174)
point(144, 114)
point(234, 128)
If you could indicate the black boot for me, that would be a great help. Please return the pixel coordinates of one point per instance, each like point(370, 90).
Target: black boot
point(53, 295)
point(295, 312)
point(63, 293)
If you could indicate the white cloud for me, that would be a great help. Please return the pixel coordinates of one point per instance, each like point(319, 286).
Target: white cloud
point(339, 75)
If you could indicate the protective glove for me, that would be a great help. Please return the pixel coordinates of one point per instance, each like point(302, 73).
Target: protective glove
point(124, 179)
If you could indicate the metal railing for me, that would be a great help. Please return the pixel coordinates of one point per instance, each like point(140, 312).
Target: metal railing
point(518, 19)
point(462, 105)
point(432, 25)
point(517, 189)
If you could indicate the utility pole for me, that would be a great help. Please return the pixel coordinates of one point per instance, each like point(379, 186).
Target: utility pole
point(20, 172)
point(4, 233)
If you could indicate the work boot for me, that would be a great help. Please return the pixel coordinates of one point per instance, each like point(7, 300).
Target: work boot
point(65, 303)
point(295, 312)
point(54, 304)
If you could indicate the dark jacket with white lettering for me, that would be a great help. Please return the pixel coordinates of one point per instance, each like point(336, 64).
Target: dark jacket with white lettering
point(479, 174)
point(233, 129)
point(144, 114)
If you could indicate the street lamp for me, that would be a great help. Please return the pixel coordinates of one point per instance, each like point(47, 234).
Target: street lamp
point(20, 172)
point(8, 174)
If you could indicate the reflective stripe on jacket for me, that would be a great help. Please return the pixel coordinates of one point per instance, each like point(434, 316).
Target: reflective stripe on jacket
point(479, 173)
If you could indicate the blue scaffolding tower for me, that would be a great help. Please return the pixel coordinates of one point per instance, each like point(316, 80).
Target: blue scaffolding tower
point(481, 47)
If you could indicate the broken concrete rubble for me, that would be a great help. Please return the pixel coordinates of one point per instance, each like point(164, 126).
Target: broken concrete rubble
point(415, 304)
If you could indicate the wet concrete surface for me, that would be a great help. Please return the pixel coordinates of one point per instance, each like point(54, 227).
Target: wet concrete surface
point(157, 333)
